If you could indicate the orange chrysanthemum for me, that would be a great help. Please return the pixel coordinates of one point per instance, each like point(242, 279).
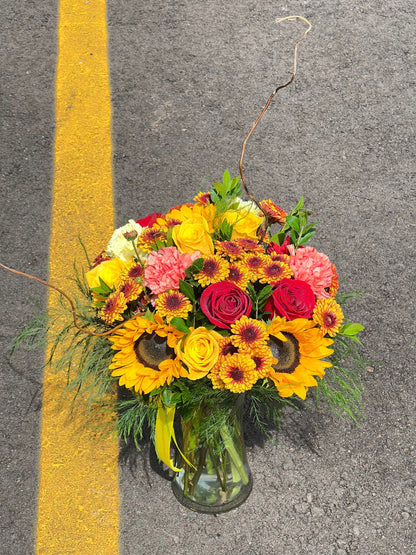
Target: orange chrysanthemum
point(249, 333)
point(276, 214)
point(171, 304)
point(131, 289)
point(147, 239)
point(333, 288)
point(274, 271)
point(249, 245)
point(263, 359)
point(229, 249)
point(254, 263)
point(133, 271)
point(114, 307)
point(215, 269)
point(238, 274)
point(328, 315)
point(238, 373)
point(203, 198)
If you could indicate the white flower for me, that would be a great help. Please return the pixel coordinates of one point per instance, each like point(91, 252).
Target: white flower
point(248, 205)
point(120, 247)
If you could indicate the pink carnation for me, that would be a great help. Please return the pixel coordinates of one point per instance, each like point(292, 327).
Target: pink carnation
point(165, 268)
point(313, 267)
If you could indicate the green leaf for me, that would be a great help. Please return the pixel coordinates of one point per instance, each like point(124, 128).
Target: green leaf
point(293, 236)
point(305, 238)
point(167, 397)
point(195, 267)
point(298, 206)
point(265, 292)
point(187, 289)
point(179, 324)
point(160, 244)
point(226, 178)
point(226, 230)
point(310, 227)
point(279, 237)
point(351, 329)
point(303, 218)
point(293, 221)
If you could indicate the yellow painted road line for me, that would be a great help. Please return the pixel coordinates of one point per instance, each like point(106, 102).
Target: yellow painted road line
point(78, 491)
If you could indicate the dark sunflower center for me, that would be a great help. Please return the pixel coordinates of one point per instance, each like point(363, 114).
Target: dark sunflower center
point(287, 353)
point(151, 350)
point(236, 374)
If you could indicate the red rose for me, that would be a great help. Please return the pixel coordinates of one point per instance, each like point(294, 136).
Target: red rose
point(223, 303)
point(291, 298)
point(149, 220)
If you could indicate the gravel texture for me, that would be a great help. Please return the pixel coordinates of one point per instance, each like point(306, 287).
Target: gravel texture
point(188, 80)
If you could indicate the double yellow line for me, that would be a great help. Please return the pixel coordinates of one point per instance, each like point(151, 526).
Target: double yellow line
point(78, 508)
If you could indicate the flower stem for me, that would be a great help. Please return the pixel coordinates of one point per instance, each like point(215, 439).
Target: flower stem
point(232, 451)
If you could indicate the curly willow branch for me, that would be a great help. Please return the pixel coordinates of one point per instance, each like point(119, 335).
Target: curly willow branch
point(74, 314)
point(253, 198)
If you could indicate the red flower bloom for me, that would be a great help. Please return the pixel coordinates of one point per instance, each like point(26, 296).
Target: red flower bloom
point(149, 220)
point(291, 298)
point(223, 303)
point(280, 249)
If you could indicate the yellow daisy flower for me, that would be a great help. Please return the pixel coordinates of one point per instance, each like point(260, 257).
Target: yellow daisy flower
point(238, 373)
point(215, 269)
point(238, 274)
point(274, 271)
point(171, 304)
point(248, 333)
point(114, 307)
point(328, 315)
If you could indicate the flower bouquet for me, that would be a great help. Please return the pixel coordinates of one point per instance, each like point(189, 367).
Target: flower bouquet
point(201, 312)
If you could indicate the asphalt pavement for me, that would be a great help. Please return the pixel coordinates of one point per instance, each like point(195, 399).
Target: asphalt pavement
point(188, 80)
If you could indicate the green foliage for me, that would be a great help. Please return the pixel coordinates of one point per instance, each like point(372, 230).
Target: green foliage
point(296, 225)
point(341, 389)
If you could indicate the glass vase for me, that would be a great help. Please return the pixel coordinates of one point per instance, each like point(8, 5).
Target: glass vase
point(214, 476)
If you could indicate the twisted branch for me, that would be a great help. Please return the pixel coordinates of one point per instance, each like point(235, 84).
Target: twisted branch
point(74, 314)
point(253, 198)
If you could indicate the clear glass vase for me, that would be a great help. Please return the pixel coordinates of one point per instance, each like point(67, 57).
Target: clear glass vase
point(215, 476)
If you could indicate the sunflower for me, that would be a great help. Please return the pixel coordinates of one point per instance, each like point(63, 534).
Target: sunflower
point(215, 269)
point(173, 304)
point(328, 315)
point(114, 307)
point(274, 271)
point(145, 357)
point(248, 333)
point(238, 373)
point(299, 347)
point(229, 249)
point(238, 274)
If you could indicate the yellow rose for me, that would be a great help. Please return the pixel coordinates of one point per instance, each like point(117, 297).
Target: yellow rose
point(244, 222)
point(109, 271)
point(193, 235)
point(199, 351)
